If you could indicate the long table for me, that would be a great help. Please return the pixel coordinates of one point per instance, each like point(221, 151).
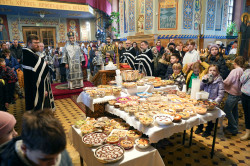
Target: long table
point(156, 133)
point(133, 157)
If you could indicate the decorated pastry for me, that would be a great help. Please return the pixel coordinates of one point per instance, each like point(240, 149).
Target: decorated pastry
point(127, 144)
point(112, 139)
point(94, 139)
point(146, 120)
point(201, 110)
point(142, 143)
point(181, 94)
point(139, 114)
point(108, 129)
point(117, 91)
point(132, 110)
point(190, 110)
point(168, 111)
point(109, 153)
point(153, 113)
point(99, 124)
point(132, 103)
point(122, 106)
point(134, 98)
point(163, 119)
point(86, 128)
point(157, 84)
point(134, 134)
point(177, 118)
point(129, 85)
point(184, 115)
point(119, 133)
point(79, 123)
point(112, 102)
point(122, 99)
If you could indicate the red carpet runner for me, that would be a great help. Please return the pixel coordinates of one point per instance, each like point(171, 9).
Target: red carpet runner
point(67, 93)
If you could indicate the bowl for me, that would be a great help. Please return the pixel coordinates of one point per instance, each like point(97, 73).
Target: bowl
point(142, 143)
point(94, 139)
point(113, 139)
point(163, 119)
point(109, 153)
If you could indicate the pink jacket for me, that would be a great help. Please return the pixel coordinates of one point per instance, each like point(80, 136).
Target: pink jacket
point(232, 83)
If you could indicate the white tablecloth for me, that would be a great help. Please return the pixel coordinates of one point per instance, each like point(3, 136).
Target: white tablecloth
point(89, 101)
point(147, 88)
point(133, 157)
point(156, 133)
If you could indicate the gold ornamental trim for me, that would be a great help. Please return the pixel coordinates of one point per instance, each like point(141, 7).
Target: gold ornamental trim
point(47, 5)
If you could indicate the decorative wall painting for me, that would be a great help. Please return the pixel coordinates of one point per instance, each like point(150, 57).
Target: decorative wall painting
point(168, 14)
point(73, 26)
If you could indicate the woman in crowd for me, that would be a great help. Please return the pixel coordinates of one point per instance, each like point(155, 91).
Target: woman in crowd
point(156, 58)
point(217, 59)
point(137, 50)
point(245, 98)
point(232, 87)
point(163, 65)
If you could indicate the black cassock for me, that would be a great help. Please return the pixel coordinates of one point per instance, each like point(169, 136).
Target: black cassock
point(145, 62)
point(129, 56)
point(36, 82)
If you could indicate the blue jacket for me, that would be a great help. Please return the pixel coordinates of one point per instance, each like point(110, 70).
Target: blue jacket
point(12, 63)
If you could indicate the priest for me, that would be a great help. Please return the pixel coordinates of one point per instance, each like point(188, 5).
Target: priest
point(38, 93)
point(145, 60)
point(129, 56)
point(73, 58)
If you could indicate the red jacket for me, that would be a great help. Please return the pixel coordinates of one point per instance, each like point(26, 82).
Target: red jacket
point(8, 74)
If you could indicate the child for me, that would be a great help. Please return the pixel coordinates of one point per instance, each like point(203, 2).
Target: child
point(175, 58)
point(163, 66)
point(177, 76)
point(42, 142)
point(10, 78)
point(97, 61)
point(192, 55)
point(232, 87)
point(7, 131)
point(197, 70)
point(215, 88)
point(215, 58)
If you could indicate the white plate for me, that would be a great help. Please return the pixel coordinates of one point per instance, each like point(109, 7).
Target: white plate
point(163, 119)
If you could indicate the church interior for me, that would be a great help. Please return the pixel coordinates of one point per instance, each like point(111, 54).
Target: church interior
point(103, 31)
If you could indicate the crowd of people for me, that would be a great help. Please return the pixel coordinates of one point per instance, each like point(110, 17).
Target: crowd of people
point(178, 62)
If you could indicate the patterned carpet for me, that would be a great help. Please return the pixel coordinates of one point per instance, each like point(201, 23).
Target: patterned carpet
point(229, 150)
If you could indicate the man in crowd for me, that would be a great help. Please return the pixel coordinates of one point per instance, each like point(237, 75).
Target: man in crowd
point(91, 57)
point(109, 50)
point(16, 51)
point(47, 58)
point(73, 59)
point(171, 42)
point(3, 47)
point(129, 56)
point(38, 93)
point(145, 60)
point(42, 142)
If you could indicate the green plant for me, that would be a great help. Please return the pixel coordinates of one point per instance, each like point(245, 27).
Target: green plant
point(114, 17)
point(232, 29)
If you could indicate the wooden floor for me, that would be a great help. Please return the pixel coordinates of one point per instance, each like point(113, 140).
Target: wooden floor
point(229, 150)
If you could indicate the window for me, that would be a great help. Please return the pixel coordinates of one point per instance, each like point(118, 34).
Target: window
point(230, 12)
